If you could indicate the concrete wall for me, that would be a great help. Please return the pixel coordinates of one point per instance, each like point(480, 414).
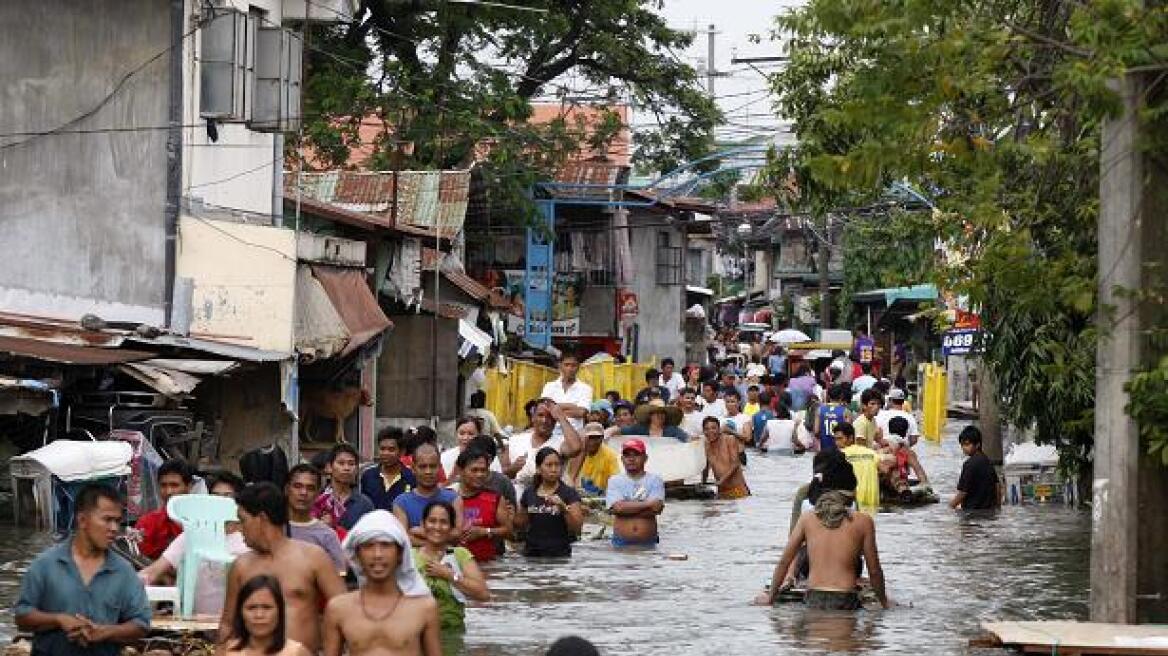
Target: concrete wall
point(244, 281)
point(659, 320)
point(597, 311)
point(249, 405)
point(83, 213)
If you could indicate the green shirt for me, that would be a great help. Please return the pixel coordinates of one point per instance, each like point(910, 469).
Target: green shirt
point(451, 610)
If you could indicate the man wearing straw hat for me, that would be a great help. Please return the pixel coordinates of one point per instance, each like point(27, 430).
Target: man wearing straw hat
point(655, 419)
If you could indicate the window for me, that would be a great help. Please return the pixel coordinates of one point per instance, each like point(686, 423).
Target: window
point(226, 64)
point(250, 71)
point(276, 107)
point(669, 260)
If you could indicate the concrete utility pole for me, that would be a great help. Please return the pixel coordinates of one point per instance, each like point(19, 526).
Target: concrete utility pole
point(824, 274)
point(1114, 529)
point(711, 68)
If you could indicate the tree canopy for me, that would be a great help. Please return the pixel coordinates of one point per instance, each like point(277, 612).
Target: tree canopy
point(450, 78)
point(994, 109)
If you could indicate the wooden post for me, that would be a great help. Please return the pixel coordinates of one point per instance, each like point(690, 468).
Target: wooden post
point(1114, 529)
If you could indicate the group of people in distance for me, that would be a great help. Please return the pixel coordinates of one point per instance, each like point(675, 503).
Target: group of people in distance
point(341, 557)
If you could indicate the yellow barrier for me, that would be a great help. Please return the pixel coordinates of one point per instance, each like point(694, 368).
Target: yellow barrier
point(507, 393)
point(934, 405)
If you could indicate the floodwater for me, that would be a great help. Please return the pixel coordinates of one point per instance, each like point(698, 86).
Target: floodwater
point(947, 572)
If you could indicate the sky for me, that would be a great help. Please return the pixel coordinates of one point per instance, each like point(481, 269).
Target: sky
point(742, 93)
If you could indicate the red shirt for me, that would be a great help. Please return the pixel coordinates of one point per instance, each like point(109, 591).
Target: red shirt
point(479, 510)
point(158, 531)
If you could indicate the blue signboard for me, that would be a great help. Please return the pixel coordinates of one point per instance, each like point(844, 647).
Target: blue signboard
point(962, 341)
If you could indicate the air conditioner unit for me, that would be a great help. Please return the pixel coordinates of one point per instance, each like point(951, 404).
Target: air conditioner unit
point(276, 97)
point(226, 65)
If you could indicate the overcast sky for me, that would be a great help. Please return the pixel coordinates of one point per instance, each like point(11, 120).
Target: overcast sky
point(743, 93)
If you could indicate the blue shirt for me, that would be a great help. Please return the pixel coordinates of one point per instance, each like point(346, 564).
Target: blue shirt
point(53, 585)
point(414, 504)
point(777, 364)
point(373, 486)
point(829, 415)
point(758, 424)
point(355, 508)
point(649, 487)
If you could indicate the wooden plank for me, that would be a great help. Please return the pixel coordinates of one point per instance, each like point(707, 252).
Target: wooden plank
point(1082, 637)
point(198, 623)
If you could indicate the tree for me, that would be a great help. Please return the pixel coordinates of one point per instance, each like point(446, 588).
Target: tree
point(993, 107)
point(457, 80)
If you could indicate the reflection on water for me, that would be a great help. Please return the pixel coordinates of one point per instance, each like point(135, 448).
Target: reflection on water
point(948, 572)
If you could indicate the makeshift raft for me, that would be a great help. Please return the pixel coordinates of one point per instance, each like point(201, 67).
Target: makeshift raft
point(169, 636)
point(1068, 638)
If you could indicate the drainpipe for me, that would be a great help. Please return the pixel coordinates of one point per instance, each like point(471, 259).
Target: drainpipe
point(173, 156)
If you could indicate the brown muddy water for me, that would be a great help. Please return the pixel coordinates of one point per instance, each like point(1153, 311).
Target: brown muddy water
point(947, 572)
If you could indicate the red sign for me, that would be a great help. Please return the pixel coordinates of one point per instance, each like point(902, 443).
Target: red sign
point(627, 307)
point(966, 320)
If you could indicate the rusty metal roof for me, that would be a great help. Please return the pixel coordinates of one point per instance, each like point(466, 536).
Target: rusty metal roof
point(39, 349)
point(354, 302)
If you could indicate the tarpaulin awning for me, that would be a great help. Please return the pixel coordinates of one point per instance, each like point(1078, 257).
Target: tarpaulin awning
point(921, 293)
point(69, 353)
point(354, 303)
point(320, 330)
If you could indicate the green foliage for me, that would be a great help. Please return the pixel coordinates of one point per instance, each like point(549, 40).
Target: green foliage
point(1148, 406)
point(886, 250)
point(456, 80)
point(994, 108)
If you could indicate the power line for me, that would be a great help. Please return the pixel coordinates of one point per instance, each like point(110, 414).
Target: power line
point(104, 101)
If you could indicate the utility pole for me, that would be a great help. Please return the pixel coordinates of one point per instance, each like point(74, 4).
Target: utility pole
point(711, 68)
point(824, 276)
point(1115, 502)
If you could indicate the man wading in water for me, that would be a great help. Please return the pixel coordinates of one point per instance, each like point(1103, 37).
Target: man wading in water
point(835, 537)
point(307, 576)
point(393, 612)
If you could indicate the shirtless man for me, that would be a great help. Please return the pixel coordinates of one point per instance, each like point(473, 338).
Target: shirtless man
point(393, 613)
point(835, 537)
point(722, 457)
point(635, 498)
point(307, 575)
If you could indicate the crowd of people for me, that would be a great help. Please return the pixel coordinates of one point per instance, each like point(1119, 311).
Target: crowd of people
point(324, 562)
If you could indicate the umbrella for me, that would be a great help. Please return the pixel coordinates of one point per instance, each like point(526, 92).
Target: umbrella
point(789, 336)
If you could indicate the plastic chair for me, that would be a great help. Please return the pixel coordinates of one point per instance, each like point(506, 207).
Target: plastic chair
point(203, 517)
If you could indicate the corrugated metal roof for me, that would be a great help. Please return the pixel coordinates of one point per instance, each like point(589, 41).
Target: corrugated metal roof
point(355, 303)
point(223, 349)
point(39, 349)
point(428, 200)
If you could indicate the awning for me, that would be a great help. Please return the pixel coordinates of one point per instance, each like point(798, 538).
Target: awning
point(213, 347)
point(320, 330)
point(920, 293)
point(690, 289)
point(69, 353)
point(354, 302)
point(474, 338)
point(176, 377)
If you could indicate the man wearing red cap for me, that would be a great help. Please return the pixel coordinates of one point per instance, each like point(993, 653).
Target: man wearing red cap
point(635, 498)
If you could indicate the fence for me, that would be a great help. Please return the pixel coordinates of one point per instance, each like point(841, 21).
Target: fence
point(507, 393)
point(934, 405)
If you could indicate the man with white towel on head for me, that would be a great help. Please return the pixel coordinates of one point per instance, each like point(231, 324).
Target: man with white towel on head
point(392, 613)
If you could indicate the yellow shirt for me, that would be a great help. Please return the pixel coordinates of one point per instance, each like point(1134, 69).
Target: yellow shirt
point(863, 462)
point(865, 431)
point(750, 409)
point(597, 469)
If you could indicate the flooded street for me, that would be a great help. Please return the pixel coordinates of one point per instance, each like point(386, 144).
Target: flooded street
point(947, 571)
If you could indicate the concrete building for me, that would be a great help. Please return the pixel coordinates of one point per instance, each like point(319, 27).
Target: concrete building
point(141, 150)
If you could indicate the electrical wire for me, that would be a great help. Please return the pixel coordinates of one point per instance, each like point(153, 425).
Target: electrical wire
point(108, 97)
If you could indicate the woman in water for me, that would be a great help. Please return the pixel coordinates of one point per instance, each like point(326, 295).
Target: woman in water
point(486, 515)
point(450, 572)
point(550, 510)
point(259, 621)
point(465, 430)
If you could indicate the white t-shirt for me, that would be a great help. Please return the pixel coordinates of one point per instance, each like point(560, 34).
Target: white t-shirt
point(862, 383)
point(578, 394)
point(740, 420)
point(715, 408)
point(520, 445)
point(884, 416)
point(211, 589)
point(691, 422)
point(449, 459)
point(675, 384)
